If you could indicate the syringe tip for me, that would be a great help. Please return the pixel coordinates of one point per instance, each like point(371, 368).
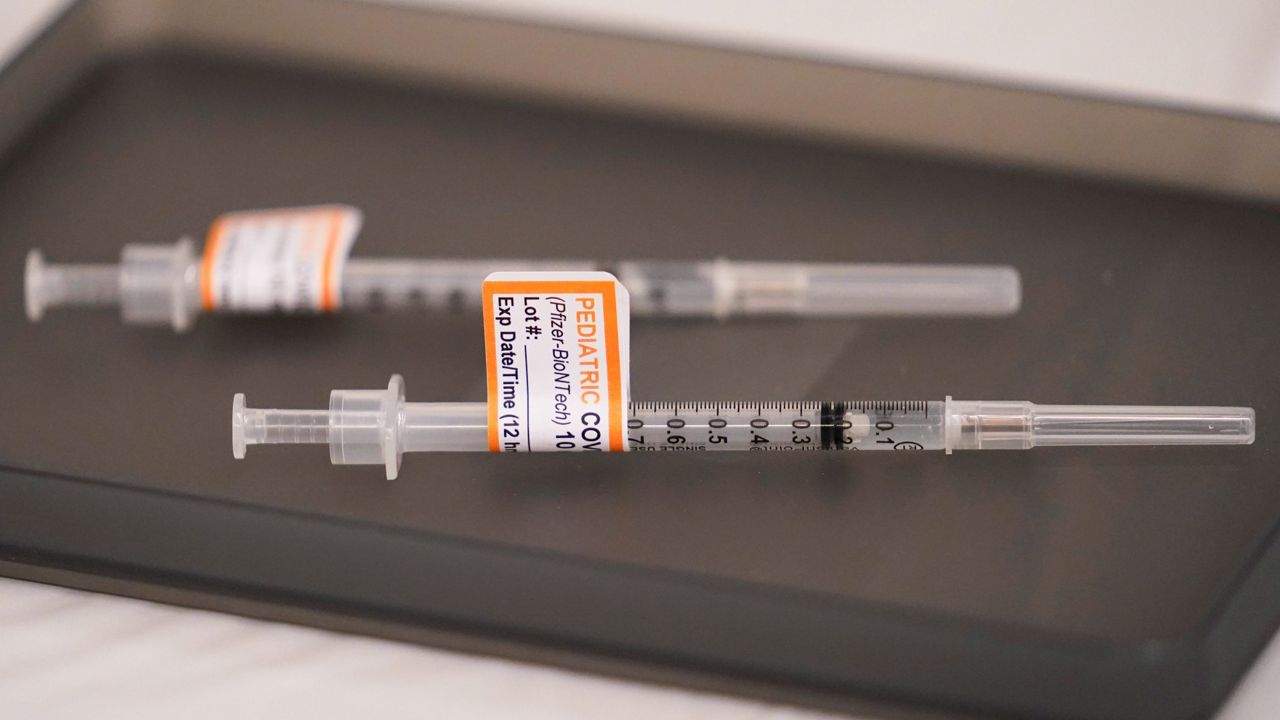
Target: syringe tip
point(33, 285)
point(1007, 291)
point(1248, 424)
point(1142, 425)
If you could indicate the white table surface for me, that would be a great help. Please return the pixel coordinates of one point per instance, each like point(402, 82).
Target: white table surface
point(71, 654)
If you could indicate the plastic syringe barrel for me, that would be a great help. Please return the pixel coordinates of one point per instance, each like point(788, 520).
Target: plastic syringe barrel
point(724, 288)
point(160, 284)
point(375, 427)
point(718, 288)
point(405, 283)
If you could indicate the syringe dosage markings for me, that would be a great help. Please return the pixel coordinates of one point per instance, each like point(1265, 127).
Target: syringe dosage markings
point(808, 425)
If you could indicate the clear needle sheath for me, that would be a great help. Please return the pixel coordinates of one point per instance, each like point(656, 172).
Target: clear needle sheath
point(377, 426)
point(161, 285)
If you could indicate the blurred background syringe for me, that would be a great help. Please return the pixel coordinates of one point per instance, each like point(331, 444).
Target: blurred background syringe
point(375, 427)
point(159, 284)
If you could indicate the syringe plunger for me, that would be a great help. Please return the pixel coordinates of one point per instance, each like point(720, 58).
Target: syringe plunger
point(80, 284)
point(152, 284)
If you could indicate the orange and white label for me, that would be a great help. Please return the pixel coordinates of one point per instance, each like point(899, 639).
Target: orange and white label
point(287, 260)
point(557, 351)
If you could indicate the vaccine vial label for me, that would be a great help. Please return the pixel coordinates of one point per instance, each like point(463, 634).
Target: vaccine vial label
point(557, 352)
point(284, 260)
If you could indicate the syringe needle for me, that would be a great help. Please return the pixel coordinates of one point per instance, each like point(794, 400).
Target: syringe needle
point(378, 426)
point(164, 285)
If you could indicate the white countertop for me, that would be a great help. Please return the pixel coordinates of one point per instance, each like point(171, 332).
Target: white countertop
point(71, 654)
point(66, 653)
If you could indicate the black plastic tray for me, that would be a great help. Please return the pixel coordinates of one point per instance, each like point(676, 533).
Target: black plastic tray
point(1097, 583)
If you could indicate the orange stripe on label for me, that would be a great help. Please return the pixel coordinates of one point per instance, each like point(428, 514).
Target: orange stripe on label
point(491, 365)
point(327, 300)
point(542, 287)
point(616, 441)
point(216, 231)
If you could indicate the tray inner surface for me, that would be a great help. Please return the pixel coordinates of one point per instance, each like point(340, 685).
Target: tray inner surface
point(1133, 295)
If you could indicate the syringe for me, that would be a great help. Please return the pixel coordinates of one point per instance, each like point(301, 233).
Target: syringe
point(375, 427)
point(157, 284)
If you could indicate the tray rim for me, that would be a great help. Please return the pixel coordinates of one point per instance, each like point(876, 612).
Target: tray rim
point(1144, 140)
point(1181, 676)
